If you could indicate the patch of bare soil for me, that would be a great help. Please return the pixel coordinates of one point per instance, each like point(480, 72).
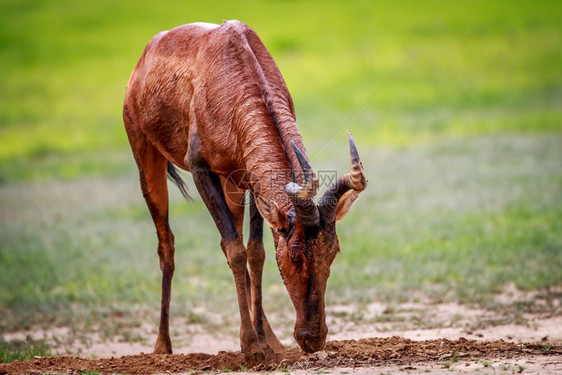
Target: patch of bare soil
point(347, 353)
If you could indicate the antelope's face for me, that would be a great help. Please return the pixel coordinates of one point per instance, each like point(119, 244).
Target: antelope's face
point(306, 243)
point(304, 256)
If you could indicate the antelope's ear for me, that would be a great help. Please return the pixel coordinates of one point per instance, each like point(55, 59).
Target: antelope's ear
point(271, 213)
point(345, 203)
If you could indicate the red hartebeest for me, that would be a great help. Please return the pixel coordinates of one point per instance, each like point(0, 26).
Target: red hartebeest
point(211, 100)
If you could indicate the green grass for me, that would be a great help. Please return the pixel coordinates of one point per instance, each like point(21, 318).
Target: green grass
point(476, 68)
point(465, 233)
point(454, 221)
point(22, 350)
point(462, 148)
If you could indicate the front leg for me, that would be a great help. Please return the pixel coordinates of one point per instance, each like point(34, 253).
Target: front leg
point(209, 187)
point(256, 258)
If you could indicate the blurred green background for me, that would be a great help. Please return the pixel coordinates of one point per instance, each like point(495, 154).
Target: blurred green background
point(459, 128)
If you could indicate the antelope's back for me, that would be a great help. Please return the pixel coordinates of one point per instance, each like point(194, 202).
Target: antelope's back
point(213, 82)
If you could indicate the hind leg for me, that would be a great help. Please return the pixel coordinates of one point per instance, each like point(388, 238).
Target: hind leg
point(152, 172)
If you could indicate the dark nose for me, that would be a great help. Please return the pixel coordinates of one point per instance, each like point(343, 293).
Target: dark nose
point(308, 342)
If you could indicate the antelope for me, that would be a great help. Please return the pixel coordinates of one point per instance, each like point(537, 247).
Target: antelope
point(209, 99)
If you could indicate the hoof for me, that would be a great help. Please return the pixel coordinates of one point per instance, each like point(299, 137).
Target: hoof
point(162, 346)
point(254, 357)
point(277, 346)
point(269, 352)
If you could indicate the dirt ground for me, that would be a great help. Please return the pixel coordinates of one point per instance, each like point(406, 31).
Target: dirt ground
point(372, 355)
point(459, 340)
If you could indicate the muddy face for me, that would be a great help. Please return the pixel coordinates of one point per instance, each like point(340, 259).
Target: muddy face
point(304, 256)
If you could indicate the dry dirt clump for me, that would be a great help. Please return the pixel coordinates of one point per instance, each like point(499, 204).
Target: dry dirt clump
point(346, 353)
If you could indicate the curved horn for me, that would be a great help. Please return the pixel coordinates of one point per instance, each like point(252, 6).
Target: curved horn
point(306, 210)
point(352, 180)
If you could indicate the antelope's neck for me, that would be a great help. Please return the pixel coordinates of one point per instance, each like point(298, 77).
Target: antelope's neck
point(270, 160)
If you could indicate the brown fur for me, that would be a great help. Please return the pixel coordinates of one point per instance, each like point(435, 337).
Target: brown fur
point(211, 100)
point(222, 85)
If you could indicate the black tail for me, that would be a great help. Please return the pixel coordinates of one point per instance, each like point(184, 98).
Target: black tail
point(174, 175)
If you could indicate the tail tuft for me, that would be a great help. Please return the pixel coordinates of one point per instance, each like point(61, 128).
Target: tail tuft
point(175, 177)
